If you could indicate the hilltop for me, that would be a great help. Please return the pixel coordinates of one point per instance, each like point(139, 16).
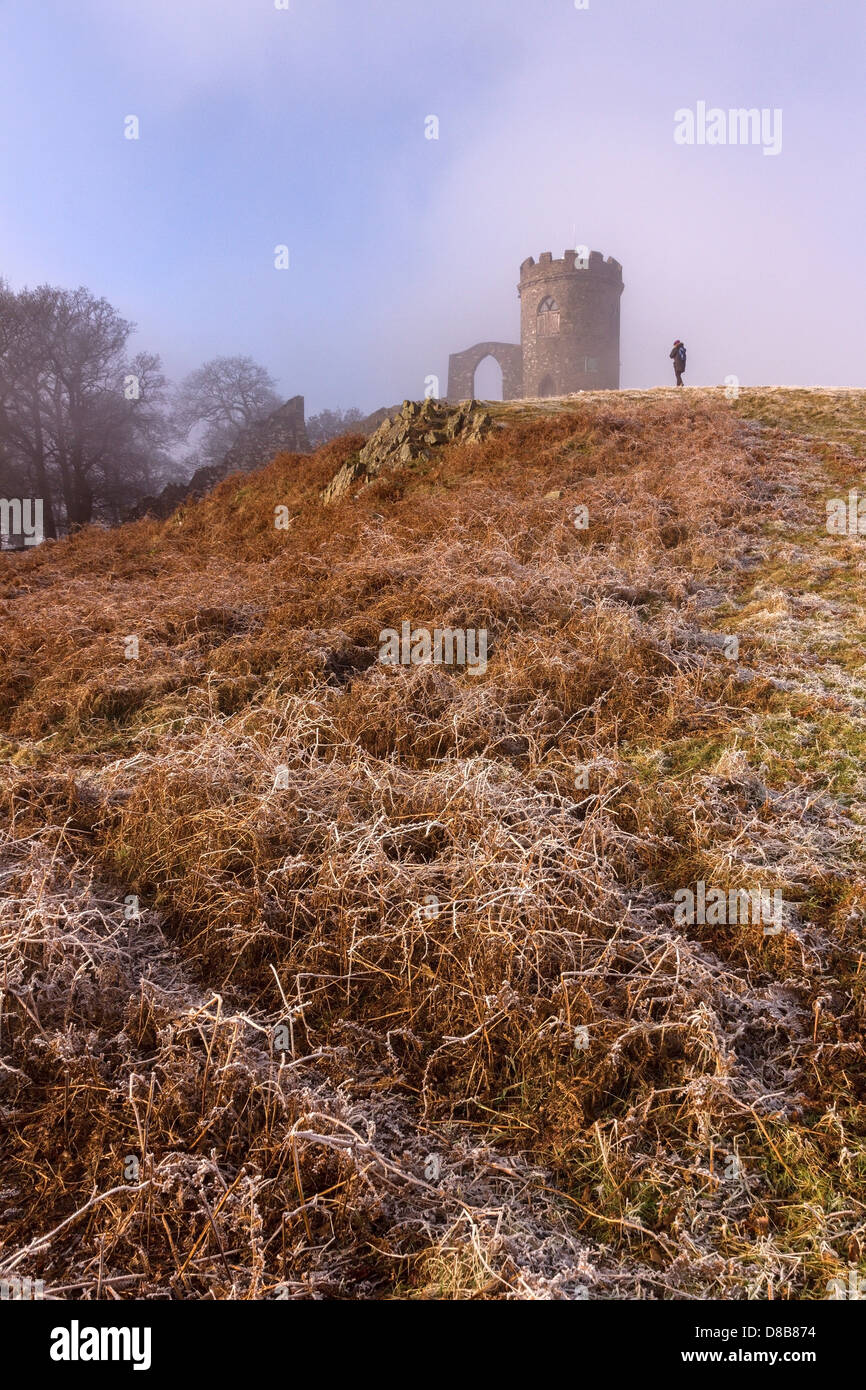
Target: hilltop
point(324, 977)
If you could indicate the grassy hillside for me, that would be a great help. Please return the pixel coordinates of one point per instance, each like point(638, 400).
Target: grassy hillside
point(328, 978)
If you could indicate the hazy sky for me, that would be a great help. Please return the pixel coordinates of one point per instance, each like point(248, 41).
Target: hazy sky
point(306, 127)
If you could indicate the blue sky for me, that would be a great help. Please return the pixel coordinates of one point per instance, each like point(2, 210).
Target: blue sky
point(306, 127)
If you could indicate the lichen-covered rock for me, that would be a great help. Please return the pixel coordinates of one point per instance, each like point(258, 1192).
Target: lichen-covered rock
point(398, 443)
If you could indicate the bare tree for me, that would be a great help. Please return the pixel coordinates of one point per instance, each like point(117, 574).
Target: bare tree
point(86, 425)
point(85, 358)
point(223, 397)
point(24, 383)
point(330, 424)
point(129, 438)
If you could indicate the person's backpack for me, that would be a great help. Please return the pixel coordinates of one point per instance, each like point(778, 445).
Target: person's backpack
point(681, 357)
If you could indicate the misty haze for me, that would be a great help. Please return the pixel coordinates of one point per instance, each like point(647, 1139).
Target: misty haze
point(432, 680)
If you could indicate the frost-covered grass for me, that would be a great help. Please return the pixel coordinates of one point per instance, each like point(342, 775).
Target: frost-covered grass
point(407, 1012)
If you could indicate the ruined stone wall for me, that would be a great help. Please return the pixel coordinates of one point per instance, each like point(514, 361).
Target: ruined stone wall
point(583, 355)
point(282, 432)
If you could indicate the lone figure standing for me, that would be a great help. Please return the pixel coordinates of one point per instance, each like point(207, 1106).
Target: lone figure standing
point(678, 354)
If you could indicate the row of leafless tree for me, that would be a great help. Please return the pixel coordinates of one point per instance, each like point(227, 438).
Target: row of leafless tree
point(90, 428)
point(82, 423)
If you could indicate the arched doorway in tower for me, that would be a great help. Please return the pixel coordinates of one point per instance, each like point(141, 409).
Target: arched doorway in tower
point(547, 387)
point(488, 380)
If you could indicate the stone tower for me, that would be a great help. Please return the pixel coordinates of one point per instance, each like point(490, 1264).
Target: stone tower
point(569, 331)
point(569, 323)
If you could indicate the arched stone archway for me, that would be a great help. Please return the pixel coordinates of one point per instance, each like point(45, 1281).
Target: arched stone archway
point(488, 383)
point(462, 365)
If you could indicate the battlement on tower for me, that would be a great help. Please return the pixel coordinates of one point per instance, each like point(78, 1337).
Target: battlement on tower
point(532, 270)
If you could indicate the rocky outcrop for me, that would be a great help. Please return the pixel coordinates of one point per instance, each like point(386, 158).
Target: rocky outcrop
point(282, 432)
point(419, 428)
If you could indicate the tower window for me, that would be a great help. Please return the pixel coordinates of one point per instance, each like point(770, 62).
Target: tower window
point(548, 318)
point(590, 364)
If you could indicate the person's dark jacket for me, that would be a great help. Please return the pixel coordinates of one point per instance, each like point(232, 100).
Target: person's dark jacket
point(678, 357)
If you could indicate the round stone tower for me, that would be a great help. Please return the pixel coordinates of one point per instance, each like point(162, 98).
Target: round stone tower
point(569, 323)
